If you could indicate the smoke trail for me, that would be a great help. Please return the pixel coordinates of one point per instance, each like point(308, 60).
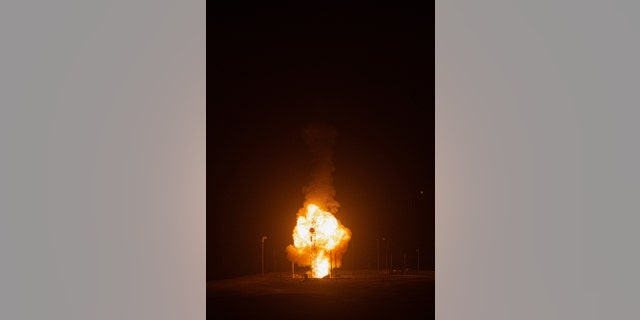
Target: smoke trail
point(321, 139)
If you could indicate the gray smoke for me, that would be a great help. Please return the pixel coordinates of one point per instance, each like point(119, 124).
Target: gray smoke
point(321, 139)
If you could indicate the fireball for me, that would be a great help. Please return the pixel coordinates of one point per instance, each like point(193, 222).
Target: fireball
point(319, 240)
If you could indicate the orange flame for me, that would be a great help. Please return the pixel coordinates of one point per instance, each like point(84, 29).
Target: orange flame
point(317, 237)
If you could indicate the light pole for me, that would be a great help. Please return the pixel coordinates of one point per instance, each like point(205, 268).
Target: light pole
point(313, 249)
point(418, 251)
point(378, 251)
point(263, 238)
point(386, 257)
point(404, 263)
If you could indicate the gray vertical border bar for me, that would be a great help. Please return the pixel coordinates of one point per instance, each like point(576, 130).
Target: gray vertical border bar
point(537, 159)
point(102, 159)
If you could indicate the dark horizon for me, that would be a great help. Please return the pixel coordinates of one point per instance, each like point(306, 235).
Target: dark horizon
point(364, 73)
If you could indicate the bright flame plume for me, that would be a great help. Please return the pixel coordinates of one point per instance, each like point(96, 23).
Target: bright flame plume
point(319, 240)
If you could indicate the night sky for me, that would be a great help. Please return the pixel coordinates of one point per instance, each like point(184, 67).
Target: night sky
point(367, 72)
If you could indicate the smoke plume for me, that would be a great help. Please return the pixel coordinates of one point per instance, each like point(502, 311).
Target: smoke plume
point(321, 139)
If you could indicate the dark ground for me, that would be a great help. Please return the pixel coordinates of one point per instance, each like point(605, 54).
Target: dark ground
point(361, 295)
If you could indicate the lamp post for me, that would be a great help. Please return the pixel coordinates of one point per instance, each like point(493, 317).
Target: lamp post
point(313, 249)
point(378, 251)
point(263, 238)
point(386, 257)
point(404, 263)
point(418, 251)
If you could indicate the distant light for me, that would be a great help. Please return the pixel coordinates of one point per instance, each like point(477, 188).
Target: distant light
point(421, 192)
